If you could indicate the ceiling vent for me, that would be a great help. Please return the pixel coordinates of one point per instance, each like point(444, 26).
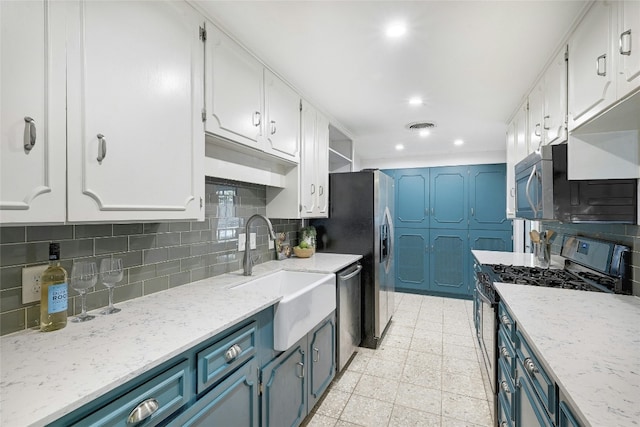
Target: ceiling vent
point(420, 125)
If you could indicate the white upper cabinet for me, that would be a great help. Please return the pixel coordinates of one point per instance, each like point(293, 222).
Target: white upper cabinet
point(314, 163)
point(32, 116)
point(591, 64)
point(234, 98)
point(554, 120)
point(536, 113)
point(629, 46)
point(135, 134)
point(282, 118)
point(517, 149)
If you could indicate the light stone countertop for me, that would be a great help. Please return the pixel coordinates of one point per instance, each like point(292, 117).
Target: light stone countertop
point(590, 341)
point(514, 258)
point(44, 376)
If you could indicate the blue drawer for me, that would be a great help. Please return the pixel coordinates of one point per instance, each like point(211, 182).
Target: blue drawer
point(223, 357)
point(170, 389)
point(506, 389)
point(535, 372)
point(507, 324)
point(507, 354)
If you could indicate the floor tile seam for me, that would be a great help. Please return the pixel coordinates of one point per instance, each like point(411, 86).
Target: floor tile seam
point(421, 410)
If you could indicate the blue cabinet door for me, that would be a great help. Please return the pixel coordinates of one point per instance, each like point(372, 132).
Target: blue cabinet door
point(322, 359)
point(487, 201)
point(412, 198)
point(412, 259)
point(284, 400)
point(488, 240)
point(234, 402)
point(448, 197)
point(449, 262)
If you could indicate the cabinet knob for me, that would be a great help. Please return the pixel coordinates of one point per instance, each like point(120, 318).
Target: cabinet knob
point(505, 353)
point(233, 352)
point(29, 134)
point(505, 387)
point(102, 147)
point(530, 367)
point(144, 410)
point(505, 320)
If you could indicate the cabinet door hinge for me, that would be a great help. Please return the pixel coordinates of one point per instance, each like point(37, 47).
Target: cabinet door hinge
point(204, 115)
point(203, 34)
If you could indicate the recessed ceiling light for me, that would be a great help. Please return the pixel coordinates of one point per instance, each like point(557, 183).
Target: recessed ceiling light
point(424, 133)
point(399, 147)
point(396, 29)
point(458, 142)
point(416, 100)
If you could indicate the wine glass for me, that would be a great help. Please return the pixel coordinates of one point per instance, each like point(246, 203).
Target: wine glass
point(110, 274)
point(84, 275)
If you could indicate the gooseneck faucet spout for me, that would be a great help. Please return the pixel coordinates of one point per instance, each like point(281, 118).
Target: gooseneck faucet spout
point(247, 261)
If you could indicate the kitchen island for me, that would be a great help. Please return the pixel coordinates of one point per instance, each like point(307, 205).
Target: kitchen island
point(45, 376)
point(590, 344)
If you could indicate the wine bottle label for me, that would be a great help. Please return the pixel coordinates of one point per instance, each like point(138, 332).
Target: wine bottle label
point(57, 298)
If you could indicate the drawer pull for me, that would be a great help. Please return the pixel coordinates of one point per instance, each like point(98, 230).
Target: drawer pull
point(505, 352)
point(144, 410)
point(505, 387)
point(505, 320)
point(530, 367)
point(233, 352)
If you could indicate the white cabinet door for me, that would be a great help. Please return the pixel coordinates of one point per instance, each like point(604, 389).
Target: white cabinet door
point(322, 165)
point(282, 124)
point(522, 126)
point(629, 47)
point(511, 181)
point(234, 85)
point(536, 105)
point(32, 84)
point(592, 64)
point(135, 133)
point(555, 101)
point(307, 160)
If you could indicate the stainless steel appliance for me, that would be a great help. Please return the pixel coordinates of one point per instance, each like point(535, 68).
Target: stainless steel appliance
point(348, 302)
point(360, 222)
point(534, 185)
point(543, 191)
point(590, 265)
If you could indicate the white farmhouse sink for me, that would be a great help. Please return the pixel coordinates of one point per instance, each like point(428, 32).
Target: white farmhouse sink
point(307, 298)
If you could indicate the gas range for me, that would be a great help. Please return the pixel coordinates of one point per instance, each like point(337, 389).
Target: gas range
point(549, 278)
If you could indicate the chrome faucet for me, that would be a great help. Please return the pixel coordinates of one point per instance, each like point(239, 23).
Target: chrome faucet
point(247, 262)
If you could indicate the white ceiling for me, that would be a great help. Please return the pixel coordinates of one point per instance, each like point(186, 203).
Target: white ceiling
point(471, 61)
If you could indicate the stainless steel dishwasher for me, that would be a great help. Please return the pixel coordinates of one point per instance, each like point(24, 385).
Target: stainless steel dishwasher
point(349, 318)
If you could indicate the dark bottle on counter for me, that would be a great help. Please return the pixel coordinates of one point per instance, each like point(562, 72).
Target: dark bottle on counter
point(53, 293)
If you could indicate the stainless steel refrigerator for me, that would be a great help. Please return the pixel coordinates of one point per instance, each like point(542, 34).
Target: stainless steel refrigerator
point(361, 206)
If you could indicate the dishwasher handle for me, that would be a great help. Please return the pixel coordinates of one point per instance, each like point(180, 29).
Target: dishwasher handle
point(350, 275)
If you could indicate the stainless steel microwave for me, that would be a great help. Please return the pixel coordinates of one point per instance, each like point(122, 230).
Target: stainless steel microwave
point(534, 185)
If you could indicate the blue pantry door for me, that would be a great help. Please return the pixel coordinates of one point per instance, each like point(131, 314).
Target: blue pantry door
point(488, 240)
point(449, 262)
point(412, 259)
point(488, 204)
point(412, 198)
point(448, 197)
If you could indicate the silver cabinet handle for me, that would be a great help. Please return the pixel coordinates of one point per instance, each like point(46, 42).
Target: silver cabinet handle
point(301, 364)
point(602, 59)
point(544, 122)
point(313, 189)
point(233, 352)
point(256, 118)
point(472, 212)
point(505, 320)
point(273, 127)
point(512, 192)
point(102, 147)
point(317, 353)
point(530, 367)
point(321, 190)
point(144, 410)
point(426, 211)
point(537, 130)
point(431, 211)
point(352, 274)
point(29, 133)
point(625, 36)
point(505, 352)
point(505, 387)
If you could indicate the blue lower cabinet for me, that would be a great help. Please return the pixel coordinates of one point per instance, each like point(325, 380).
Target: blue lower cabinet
point(412, 259)
point(234, 402)
point(565, 416)
point(449, 261)
point(284, 400)
point(322, 359)
point(529, 410)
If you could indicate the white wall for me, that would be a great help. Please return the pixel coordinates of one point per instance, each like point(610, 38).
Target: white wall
point(442, 159)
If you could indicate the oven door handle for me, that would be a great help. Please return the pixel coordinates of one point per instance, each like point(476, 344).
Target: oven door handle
point(483, 297)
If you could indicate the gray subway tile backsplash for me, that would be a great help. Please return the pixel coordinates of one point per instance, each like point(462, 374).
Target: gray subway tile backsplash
point(156, 256)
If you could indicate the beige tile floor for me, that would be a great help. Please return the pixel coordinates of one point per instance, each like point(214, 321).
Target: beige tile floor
point(425, 373)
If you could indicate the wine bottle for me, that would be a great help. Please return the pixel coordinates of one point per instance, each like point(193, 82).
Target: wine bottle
point(53, 293)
